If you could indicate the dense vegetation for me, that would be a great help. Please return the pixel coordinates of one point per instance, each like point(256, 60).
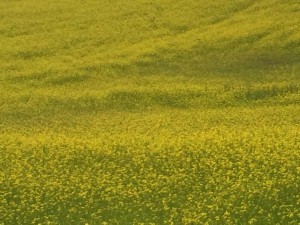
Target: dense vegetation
point(149, 112)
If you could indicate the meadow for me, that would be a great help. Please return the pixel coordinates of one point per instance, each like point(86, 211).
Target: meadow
point(149, 112)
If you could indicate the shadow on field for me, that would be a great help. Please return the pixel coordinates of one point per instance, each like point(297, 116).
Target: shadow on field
point(260, 93)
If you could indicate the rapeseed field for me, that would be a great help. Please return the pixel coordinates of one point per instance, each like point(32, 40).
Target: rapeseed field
point(149, 112)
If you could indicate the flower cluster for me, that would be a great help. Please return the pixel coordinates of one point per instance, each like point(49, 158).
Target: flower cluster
point(230, 166)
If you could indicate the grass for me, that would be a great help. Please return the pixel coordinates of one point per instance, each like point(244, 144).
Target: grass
point(149, 112)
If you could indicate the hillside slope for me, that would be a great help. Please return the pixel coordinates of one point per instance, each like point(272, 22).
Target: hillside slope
point(149, 112)
point(65, 55)
point(177, 37)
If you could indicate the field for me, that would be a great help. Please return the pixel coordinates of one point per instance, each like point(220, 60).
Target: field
point(149, 112)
